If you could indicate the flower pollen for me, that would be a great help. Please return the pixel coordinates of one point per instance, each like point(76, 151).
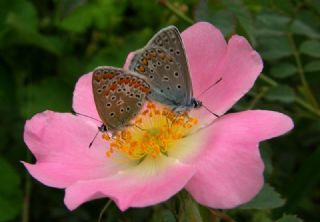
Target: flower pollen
point(155, 131)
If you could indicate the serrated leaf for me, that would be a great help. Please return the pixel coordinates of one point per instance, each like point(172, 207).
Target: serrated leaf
point(275, 48)
point(241, 12)
point(300, 27)
point(283, 70)
point(281, 93)
point(268, 198)
point(311, 48)
point(223, 19)
point(289, 218)
point(272, 24)
point(10, 193)
point(312, 66)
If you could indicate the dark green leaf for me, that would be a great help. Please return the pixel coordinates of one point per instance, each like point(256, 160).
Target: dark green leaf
point(10, 193)
point(49, 94)
point(313, 66)
point(281, 93)
point(300, 27)
point(268, 198)
point(275, 48)
point(289, 218)
point(283, 70)
point(311, 48)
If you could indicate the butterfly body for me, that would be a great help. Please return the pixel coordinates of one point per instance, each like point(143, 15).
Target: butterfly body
point(164, 64)
point(119, 95)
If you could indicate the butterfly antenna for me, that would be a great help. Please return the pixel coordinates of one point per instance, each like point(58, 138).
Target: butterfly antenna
point(216, 115)
point(95, 136)
point(80, 114)
point(212, 85)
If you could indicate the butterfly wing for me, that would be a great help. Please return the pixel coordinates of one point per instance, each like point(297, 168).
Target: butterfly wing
point(119, 95)
point(164, 63)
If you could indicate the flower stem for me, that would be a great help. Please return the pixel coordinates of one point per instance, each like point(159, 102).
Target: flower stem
point(178, 13)
point(298, 100)
point(104, 209)
point(257, 97)
point(221, 215)
point(301, 73)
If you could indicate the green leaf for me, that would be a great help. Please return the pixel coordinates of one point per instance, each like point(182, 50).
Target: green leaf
point(49, 94)
point(300, 27)
point(281, 93)
point(306, 178)
point(289, 218)
point(283, 70)
point(272, 24)
point(223, 19)
point(241, 12)
point(18, 13)
point(163, 215)
point(311, 48)
point(10, 193)
point(101, 14)
point(275, 48)
point(313, 66)
point(268, 198)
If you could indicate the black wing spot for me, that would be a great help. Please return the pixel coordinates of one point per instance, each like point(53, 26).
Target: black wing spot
point(112, 114)
point(121, 110)
point(176, 74)
point(178, 86)
point(168, 88)
point(113, 98)
point(108, 104)
point(177, 52)
point(151, 70)
point(159, 63)
point(171, 50)
point(166, 78)
point(128, 108)
point(151, 76)
point(99, 91)
point(167, 67)
point(139, 104)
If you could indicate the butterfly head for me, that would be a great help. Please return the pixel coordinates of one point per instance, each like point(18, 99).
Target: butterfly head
point(196, 104)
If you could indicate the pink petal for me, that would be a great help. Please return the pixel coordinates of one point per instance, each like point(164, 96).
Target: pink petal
point(230, 170)
point(60, 142)
point(239, 69)
point(205, 48)
point(83, 101)
point(149, 183)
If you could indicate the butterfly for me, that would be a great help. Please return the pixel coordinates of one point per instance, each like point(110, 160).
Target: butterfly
point(164, 64)
point(119, 95)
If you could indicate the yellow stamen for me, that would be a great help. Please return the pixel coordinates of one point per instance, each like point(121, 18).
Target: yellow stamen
point(158, 130)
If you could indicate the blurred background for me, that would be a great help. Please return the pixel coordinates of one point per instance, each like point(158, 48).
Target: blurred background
point(46, 45)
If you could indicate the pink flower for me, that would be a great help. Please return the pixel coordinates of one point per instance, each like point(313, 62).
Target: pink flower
point(220, 166)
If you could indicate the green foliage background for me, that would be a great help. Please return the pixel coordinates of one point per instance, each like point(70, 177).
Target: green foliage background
point(46, 45)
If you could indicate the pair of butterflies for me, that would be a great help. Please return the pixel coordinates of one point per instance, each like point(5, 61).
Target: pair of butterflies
point(157, 72)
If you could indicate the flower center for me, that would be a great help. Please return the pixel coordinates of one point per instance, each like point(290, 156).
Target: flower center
point(154, 132)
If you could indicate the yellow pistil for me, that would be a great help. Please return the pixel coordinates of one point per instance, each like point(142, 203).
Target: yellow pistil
point(155, 131)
